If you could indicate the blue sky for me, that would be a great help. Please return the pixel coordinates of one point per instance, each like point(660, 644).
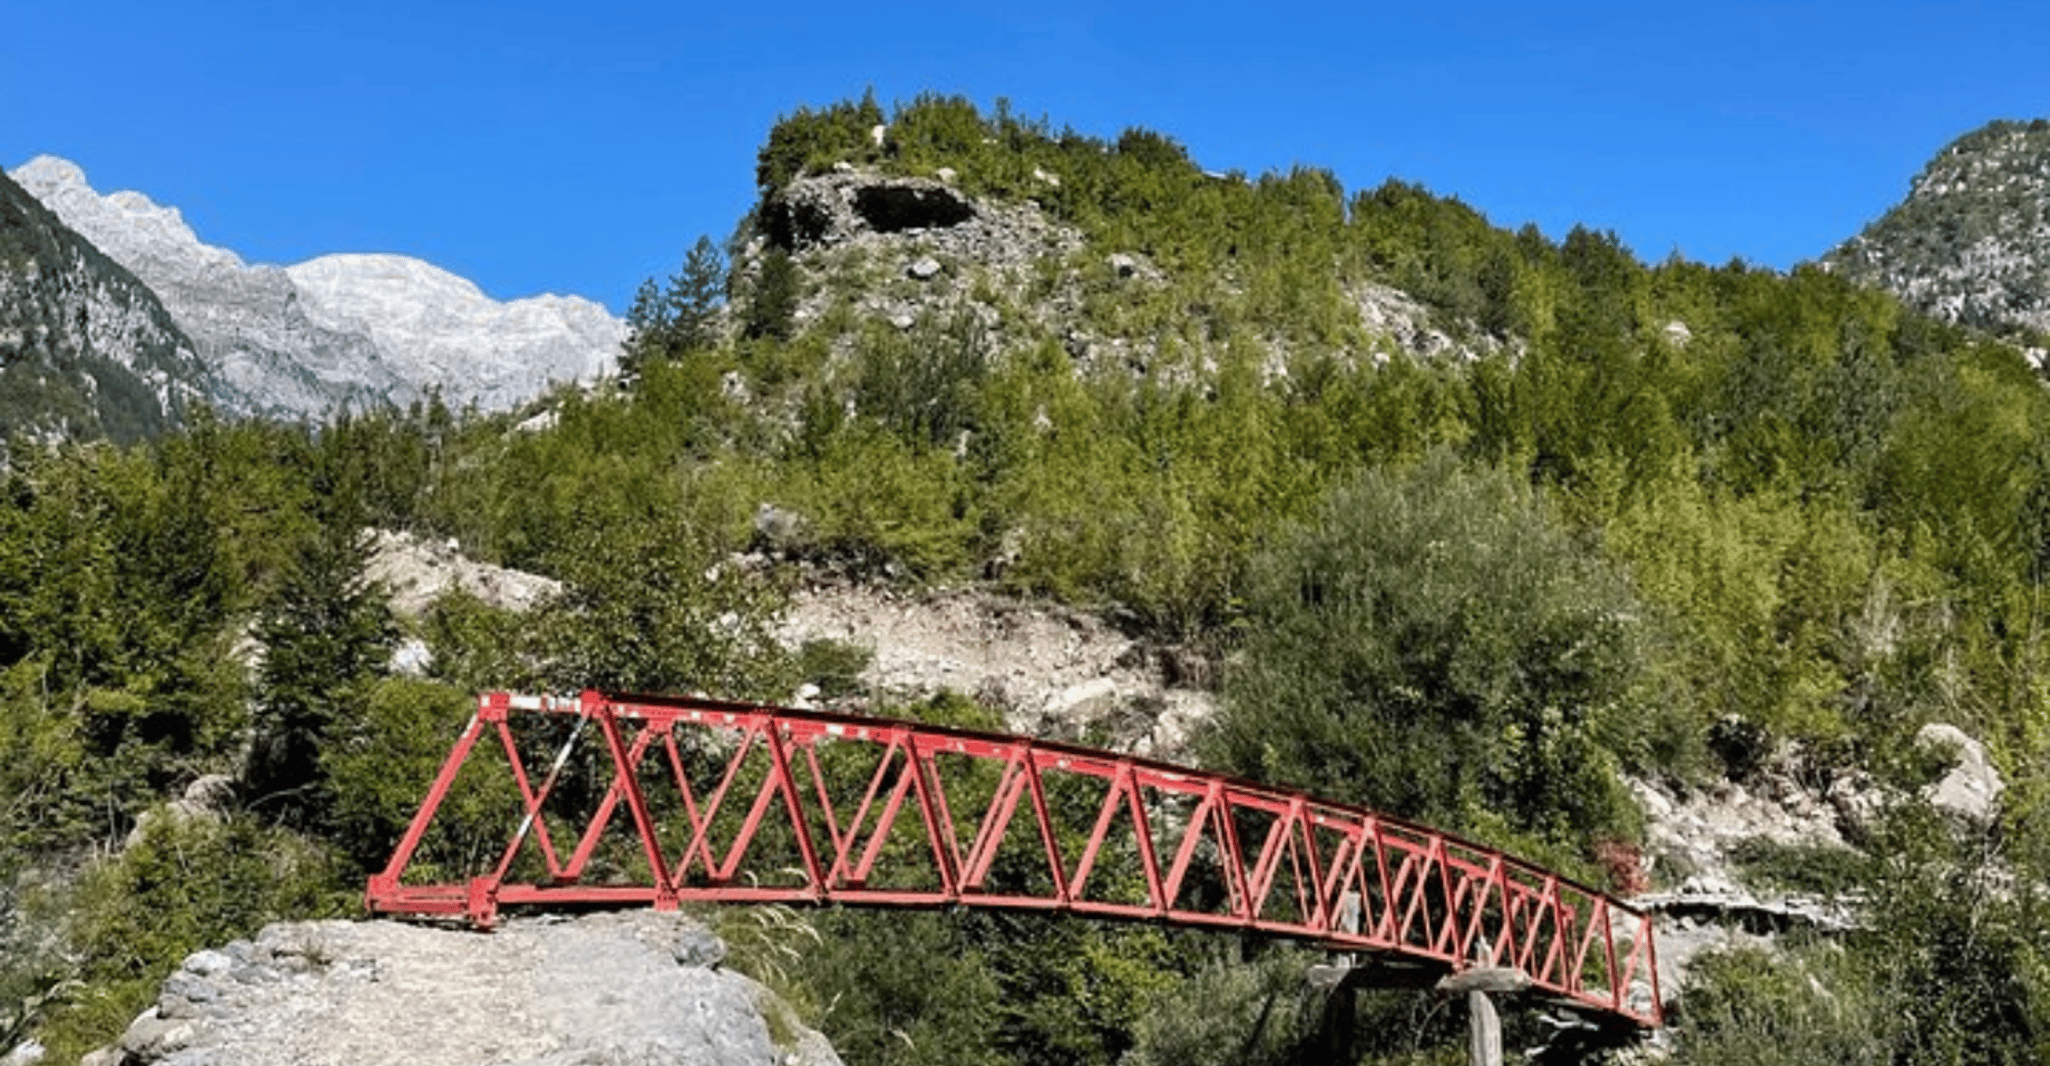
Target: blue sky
point(579, 146)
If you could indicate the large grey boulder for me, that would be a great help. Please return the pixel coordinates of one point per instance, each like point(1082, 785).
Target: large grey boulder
point(207, 799)
point(1972, 787)
point(627, 989)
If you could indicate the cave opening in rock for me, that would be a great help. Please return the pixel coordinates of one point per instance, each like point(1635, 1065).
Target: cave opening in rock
point(791, 226)
point(894, 208)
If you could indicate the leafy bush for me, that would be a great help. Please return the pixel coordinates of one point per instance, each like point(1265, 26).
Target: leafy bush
point(1228, 1013)
point(926, 385)
point(1754, 1006)
point(132, 919)
point(380, 762)
point(903, 989)
point(326, 633)
point(651, 607)
point(809, 140)
point(1811, 868)
point(771, 307)
point(1442, 617)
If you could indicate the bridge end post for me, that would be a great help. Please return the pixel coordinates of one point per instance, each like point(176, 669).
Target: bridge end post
point(481, 902)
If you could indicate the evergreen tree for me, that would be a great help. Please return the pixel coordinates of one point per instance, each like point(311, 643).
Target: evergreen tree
point(647, 323)
point(693, 298)
point(326, 632)
point(770, 312)
point(665, 323)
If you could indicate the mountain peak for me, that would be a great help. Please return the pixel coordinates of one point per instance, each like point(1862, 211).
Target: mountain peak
point(127, 225)
point(345, 329)
point(48, 172)
point(396, 274)
point(1971, 242)
point(86, 349)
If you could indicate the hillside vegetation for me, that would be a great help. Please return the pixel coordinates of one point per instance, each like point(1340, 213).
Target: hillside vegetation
point(1657, 519)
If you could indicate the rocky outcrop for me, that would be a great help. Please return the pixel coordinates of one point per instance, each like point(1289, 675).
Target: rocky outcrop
point(1411, 328)
point(1693, 840)
point(86, 349)
point(338, 330)
point(628, 989)
point(1970, 790)
point(1691, 836)
point(836, 208)
point(904, 249)
point(417, 571)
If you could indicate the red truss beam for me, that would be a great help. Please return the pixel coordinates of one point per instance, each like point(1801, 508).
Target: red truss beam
point(602, 799)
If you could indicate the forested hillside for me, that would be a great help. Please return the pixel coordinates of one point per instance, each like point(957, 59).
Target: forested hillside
point(1666, 520)
point(86, 350)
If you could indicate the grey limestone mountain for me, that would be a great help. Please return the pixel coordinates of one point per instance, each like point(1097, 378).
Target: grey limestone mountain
point(339, 329)
point(86, 349)
point(1971, 243)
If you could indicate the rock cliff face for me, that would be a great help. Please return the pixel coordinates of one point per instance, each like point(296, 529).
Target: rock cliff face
point(1971, 243)
point(86, 349)
point(345, 329)
point(437, 328)
point(628, 989)
point(902, 250)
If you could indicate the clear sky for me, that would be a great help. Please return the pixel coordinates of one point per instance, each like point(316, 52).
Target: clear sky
point(578, 146)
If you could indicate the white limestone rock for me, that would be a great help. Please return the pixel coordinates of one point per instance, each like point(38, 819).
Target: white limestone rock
point(1972, 788)
point(438, 328)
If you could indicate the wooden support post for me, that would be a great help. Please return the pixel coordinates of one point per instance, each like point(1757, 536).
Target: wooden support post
point(1484, 1026)
point(1484, 1030)
point(1337, 1040)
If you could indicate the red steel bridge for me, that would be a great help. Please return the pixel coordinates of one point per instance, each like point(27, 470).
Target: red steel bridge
point(602, 799)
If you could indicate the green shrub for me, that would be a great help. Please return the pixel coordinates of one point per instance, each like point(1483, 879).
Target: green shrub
point(772, 301)
point(835, 666)
point(381, 762)
point(1757, 1007)
point(1229, 1013)
point(1811, 868)
point(1441, 617)
point(132, 919)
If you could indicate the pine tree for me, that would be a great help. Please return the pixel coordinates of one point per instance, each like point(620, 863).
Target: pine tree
point(326, 632)
point(647, 324)
point(774, 307)
point(693, 299)
point(666, 323)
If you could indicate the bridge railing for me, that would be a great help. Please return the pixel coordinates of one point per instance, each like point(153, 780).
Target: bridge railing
point(601, 799)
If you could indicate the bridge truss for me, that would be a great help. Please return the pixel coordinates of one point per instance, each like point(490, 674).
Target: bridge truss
point(630, 800)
